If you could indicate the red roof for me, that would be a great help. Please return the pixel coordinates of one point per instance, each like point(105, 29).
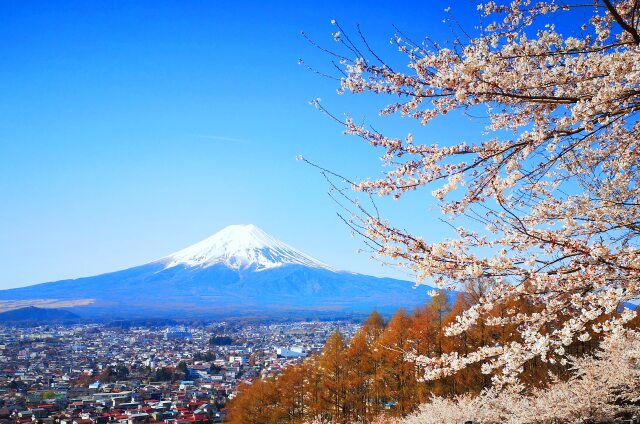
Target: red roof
point(198, 402)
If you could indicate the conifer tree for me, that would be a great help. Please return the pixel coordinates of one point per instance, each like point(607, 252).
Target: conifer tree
point(360, 378)
point(254, 403)
point(399, 375)
point(291, 388)
point(373, 326)
point(334, 375)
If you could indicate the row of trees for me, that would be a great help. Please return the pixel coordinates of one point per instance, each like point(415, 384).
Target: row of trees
point(359, 380)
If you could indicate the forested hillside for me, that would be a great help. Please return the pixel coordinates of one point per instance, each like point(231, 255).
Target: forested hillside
point(370, 376)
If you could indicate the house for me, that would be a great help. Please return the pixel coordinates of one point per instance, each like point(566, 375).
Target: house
point(186, 384)
point(138, 418)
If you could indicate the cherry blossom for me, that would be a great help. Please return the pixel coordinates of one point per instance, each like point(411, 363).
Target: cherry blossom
point(551, 188)
point(603, 387)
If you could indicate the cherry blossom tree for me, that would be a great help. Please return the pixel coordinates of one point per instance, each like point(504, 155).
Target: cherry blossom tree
point(604, 387)
point(545, 204)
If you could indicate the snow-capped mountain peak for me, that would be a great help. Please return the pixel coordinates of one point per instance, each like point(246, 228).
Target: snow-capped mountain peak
point(241, 247)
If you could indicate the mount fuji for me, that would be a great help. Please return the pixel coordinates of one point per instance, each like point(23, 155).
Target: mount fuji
point(239, 271)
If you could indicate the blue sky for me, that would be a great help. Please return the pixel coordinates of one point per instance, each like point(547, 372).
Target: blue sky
point(129, 130)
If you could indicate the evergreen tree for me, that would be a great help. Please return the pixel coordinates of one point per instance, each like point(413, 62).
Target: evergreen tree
point(334, 375)
point(398, 374)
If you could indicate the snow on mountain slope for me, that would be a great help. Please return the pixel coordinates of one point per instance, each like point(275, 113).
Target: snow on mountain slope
point(241, 247)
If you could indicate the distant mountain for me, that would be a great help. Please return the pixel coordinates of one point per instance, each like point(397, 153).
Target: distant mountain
point(240, 270)
point(40, 315)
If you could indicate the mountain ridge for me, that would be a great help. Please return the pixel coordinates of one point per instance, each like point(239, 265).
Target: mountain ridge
point(35, 314)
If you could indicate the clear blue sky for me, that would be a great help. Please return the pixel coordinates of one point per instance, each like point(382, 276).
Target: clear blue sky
point(129, 130)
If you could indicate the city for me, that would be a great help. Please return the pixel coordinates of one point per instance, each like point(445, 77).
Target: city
point(100, 373)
